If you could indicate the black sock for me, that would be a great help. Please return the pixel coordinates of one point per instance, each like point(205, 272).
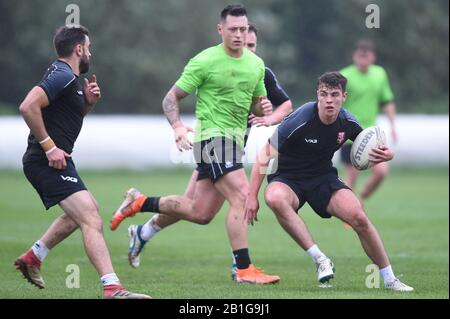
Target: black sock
point(242, 258)
point(151, 204)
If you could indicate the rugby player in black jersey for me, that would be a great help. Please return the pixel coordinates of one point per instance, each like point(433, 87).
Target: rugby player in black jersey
point(304, 145)
point(54, 111)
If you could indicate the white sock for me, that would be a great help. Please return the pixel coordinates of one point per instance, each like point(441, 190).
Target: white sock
point(109, 279)
point(149, 229)
point(315, 252)
point(40, 250)
point(388, 274)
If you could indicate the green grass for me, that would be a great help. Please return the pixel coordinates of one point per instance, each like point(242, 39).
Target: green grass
point(191, 261)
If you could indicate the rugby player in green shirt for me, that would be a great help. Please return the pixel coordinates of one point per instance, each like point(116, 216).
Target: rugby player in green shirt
point(228, 81)
point(368, 88)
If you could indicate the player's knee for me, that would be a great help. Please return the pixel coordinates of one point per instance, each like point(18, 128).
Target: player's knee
point(274, 198)
point(94, 221)
point(97, 223)
point(360, 222)
point(202, 214)
point(203, 220)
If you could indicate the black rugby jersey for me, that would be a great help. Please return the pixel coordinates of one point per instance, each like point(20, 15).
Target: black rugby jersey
point(63, 117)
point(275, 94)
point(306, 145)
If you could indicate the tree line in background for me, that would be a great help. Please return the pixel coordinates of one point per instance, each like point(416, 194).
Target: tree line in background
point(141, 46)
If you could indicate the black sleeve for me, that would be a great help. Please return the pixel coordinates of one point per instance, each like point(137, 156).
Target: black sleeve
point(275, 92)
point(55, 81)
point(354, 131)
point(353, 128)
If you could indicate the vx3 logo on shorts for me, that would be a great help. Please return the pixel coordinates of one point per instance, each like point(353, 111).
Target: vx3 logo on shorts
point(311, 140)
point(228, 164)
point(69, 179)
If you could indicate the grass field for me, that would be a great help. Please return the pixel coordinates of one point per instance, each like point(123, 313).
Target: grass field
point(190, 261)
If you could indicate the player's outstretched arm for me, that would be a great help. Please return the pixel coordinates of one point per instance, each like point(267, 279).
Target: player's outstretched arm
point(281, 112)
point(258, 173)
point(275, 118)
point(172, 112)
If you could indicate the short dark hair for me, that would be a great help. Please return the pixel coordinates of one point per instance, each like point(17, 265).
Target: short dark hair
point(365, 45)
point(252, 28)
point(235, 10)
point(333, 80)
point(66, 38)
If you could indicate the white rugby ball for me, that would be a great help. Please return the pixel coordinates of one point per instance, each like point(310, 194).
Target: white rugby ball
point(371, 137)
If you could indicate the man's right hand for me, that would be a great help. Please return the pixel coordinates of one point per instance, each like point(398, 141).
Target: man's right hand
point(181, 137)
point(57, 159)
point(251, 209)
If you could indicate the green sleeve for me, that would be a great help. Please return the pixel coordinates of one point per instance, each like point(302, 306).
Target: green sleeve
point(260, 89)
point(193, 75)
point(386, 94)
point(345, 72)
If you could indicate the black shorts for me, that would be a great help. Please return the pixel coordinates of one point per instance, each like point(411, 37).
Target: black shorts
point(52, 185)
point(217, 157)
point(345, 153)
point(315, 191)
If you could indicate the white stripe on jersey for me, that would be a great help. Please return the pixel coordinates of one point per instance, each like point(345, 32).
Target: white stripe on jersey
point(296, 129)
point(74, 77)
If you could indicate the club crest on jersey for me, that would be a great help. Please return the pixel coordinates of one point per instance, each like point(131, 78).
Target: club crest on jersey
point(340, 137)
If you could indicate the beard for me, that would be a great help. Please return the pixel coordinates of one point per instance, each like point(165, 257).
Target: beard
point(84, 65)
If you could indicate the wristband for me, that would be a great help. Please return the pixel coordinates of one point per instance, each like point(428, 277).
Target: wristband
point(45, 140)
point(47, 144)
point(50, 150)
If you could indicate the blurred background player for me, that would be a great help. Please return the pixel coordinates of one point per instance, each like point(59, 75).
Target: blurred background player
point(368, 89)
point(223, 105)
point(282, 105)
point(54, 111)
point(304, 144)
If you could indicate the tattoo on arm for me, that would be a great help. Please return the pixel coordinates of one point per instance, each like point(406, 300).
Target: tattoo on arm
point(170, 107)
point(170, 104)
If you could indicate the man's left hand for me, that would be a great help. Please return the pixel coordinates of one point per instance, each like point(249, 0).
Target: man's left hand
point(91, 91)
point(381, 154)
